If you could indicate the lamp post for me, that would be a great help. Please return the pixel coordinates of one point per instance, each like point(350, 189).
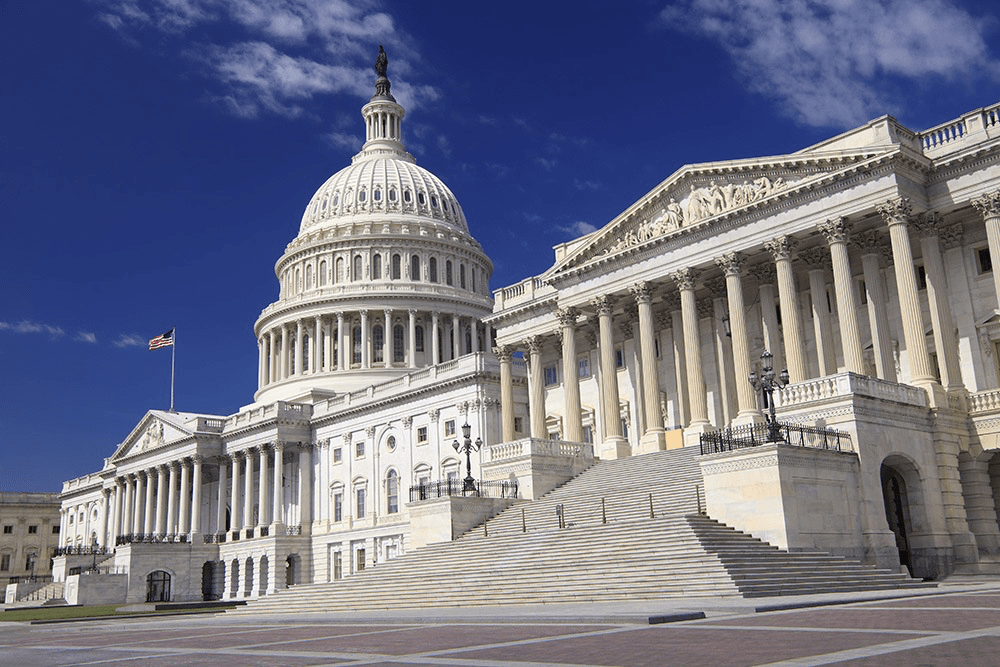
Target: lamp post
point(767, 382)
point(32, 557)
point(467, 446)
point(93, 549)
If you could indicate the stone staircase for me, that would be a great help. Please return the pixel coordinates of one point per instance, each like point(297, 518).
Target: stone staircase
point(645, 541)
point(50, 594)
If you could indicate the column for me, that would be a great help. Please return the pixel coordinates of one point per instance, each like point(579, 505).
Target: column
point(572, 422)
point(816, 258)
point(435, 344)
point(672, 320)
point(942, 322)
point(836, 232)
point(988, 206)
point(765, 276)
point(184, 518)
point(196, 495)
point(283, 355)
point(896, 213)
point(505, 354)
point(746, 399)
point(260, 362)
point(412, 335)
point(172, 500)
point(235, 519)
point(456, 335)
point(248, 490)
point(297, 370)
point(128, 520)
point(277, 516)
point(117, 525)
point(147, 524)
point(102, 535)
point(781, 249)
point(328, 360)
point(653, 439)
point(387, 346)
point(614, 445)
point(536, 387)
point(220, 510)
point(138, 524)
point(697, 394)
point(161, 500)
point(365, 341)
point(343, 345)
point(270, 356)
point(305, 495)
point(263, 516)
point(872, 246)
point(716, 313)
point(474, 328)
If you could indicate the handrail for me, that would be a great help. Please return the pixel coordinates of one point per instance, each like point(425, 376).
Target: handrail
point(754, 435)
point(456, 487)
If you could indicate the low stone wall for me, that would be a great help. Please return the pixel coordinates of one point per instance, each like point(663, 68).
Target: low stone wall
point(94, 589)
point(443, 519)
point(537, 465)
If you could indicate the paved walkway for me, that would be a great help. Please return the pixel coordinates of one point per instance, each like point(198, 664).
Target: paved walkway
point(955, 625)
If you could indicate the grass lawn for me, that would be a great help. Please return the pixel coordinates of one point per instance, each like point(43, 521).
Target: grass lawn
point(51, 613)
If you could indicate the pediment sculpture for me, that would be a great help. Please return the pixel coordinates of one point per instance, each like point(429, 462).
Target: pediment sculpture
point(153, 437)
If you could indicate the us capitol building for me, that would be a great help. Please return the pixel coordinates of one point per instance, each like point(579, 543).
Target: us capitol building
point(862, 265)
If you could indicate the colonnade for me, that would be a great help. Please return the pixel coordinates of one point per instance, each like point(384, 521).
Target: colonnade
point(682, 315)
point(364, 339)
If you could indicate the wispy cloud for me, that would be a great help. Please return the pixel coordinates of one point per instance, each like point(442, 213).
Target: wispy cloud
point(835, 63)
point(50, 330)
point(130, 340)
point(272, 56)
point(546, 164)
point(586, 185)
point(578, 228)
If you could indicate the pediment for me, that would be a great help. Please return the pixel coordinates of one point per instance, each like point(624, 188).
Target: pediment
point(697, 195)
point(157, 429)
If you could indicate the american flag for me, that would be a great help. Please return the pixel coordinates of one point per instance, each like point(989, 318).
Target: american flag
point(163, 340)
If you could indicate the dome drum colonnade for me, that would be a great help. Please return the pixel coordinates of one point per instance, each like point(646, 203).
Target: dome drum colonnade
point(677, 292)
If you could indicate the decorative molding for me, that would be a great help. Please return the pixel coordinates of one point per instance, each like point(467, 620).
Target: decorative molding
point(836, 230)
point(895, 211)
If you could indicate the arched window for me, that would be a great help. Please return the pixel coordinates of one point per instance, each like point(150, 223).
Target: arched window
point(468, 341)
point(339, 275)
point(421, 199)
point(473, 279)
point(398, 349)
point(392, 194)
point(397, 267)
point(377, 195)
point(158, 586)
point(322, 273)
point(336, 200)
point(434, 201)
point(461, 276)
point(356, 345)
point(407, 197)
point(447, 273)
point(298, 279)
point(392, 492)
point(434, 269)
point(363, 196)
point(291, 356)
point(378, 342)
point(415, 267)
point(376, 266)
point(419, 335)
point(305, 353)
point(356, 273)
point(309, 276)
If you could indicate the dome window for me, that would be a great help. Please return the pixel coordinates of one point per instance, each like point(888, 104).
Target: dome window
point(363, 196)
point(378, 195)
point(392, 194)
point(434, 201)
point(324, 204)
point(444, 204)
point(407, 196)
point(336, 201)
point(421, 199)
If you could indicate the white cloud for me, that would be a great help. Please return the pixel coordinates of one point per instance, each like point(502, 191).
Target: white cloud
point(86, 337)
point(130, 340)
point(546, 164)
point(29, 327)
point(586, 185)
point(834, 62)
point(578, 228)
point(346, 140)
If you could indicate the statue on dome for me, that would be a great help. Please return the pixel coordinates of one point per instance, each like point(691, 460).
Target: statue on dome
point(382, 83)
point(381, 62)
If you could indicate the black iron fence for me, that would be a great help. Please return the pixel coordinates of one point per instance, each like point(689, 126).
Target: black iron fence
point(151, 538)
point(456, 487)
point(82, 551)
point(30, 579)
point(753, 435)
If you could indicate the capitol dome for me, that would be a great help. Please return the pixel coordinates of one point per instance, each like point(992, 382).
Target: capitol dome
point(383, 277)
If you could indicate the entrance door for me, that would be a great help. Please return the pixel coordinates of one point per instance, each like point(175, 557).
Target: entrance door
point(897, 512)
point(158, 587)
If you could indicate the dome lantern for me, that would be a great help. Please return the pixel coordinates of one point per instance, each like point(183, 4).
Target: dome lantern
point(383, 116)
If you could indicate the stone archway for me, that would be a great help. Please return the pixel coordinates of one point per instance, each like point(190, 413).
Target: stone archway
point(897, 511)
point(248, 577)
point(158, 586)
point(292, 566)
point(263, 574)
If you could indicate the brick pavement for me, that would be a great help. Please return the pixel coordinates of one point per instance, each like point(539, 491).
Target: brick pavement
point(955, 628)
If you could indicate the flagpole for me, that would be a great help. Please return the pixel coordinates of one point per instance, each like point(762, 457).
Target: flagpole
point(173, 357)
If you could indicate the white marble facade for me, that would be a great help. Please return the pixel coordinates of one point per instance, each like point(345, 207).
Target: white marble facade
point(864, 264)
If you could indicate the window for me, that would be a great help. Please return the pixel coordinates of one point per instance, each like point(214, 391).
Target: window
point(619, 357)
point(322, 273)
point(397, 267)
point(422, 435)
point(32, 530)
point(392, 194)
point(376, 267)
point(447, 273)
point(398, 347)
point(357, 268)
point(356, 345)
point(55, 530)
point(30, 559)
point(8, 530)
point(359, 556)
point(921, 277)
point(360, 494)
point(407, 197)
point(550, 375)
point(415, 267)
point(519, 424)
point(656, 345)
point(588, 434)
point(583, 367)
point(449, 428)
point(983, 260)
point(434, 269)
point(392, 492)
point(434, 201)
point(338, 455)
point(624, 428)
point(359, 449)
point(338, 506)
point(421, 199)
point(461, 276)
point(419, 335)
point(378, 342)
point(5, 562)
point(377, 196)
point(390, 443)
point(338, 567)
point(305, 353)
point(363, 196)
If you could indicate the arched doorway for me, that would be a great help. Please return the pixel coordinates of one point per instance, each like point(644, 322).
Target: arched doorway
point(263, 575)
point(994, 472)
point(211, 580)
point(158, 586)
point(248, 577)
point(897, 512)
point(292, 570)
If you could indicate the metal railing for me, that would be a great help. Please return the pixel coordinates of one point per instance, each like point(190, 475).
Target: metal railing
point(151, 538)
point(30, 579)
point(753, 435)
point(82, 551)
point(456, 487)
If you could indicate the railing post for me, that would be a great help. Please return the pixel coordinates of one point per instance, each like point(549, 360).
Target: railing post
point(524, 527)
point(604, 514)
point(651, 515)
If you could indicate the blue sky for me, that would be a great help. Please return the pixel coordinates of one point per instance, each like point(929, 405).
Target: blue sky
point(156, 156)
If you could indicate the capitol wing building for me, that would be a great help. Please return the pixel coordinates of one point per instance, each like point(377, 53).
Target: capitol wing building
point(862, 265)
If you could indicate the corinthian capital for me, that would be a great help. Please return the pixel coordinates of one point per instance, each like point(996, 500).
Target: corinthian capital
point(815, 257)
point(643, 292)
point(781, 247)
point(730, 263)
point(988, 204)
point(604, 304)
point(836, 230)
point(926, 224)
point(504, 352)
point(535, 344)
point(684, 278)
point(567, 316)
point(896, 211)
